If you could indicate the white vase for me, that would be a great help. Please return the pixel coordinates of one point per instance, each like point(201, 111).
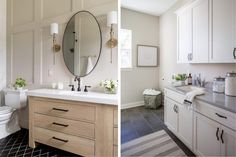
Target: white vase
point(19, 88)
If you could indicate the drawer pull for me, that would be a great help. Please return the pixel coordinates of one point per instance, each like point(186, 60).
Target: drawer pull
point(58, 109)
point(58, 139)
point(64, 125)
point(221, 136)
point(221, 116)
point(217, 133)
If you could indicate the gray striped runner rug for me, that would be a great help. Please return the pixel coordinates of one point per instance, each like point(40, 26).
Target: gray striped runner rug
point(152, 145)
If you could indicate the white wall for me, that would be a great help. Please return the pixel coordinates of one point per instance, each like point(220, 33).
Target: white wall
point(29, 43)
point(168, 65)
point(145, 30)
point(2, 48)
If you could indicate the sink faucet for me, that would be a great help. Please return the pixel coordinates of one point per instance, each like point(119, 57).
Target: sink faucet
point(78, 79)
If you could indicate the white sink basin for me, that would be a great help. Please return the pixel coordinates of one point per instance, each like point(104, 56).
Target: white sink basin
point(187, 89)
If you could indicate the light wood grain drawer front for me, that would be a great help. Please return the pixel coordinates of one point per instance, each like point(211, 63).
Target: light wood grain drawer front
point(115, 117)
point(72, 127)
point(66, 110)
point(66, 142)
point(225, 118)
point(115, 151)
point(115, 136)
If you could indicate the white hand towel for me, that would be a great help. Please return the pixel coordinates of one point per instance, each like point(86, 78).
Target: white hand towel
point(89, 65)
point(191, 95)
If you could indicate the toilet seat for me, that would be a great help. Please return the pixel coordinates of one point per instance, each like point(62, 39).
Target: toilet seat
point(5, 114)
point(5, 110)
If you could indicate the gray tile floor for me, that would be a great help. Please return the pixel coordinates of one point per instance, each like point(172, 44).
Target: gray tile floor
point(137, 122)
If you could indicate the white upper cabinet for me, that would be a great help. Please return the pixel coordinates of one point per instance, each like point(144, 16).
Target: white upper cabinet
point(200, 31)
point(223, 31)
point(193, 33)
point(206, 31)
point(184, 36)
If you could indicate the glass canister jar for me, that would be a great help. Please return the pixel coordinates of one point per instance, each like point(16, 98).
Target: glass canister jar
point(219, 85)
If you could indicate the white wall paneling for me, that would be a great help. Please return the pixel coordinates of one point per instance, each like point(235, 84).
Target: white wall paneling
point(29, 40)
point(2, 48)
point(22, 56)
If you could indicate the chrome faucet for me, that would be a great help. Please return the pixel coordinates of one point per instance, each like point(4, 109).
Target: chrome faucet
point(78, 79)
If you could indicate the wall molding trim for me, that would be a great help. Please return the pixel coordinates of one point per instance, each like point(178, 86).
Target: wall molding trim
point(132, 104)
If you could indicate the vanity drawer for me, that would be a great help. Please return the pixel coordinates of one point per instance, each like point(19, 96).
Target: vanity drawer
point(174, 95)
point(69, 143)
point(72, 127)
point(224, 117)
point(115, 138)
point(115, 151)
point(78, 111)
point(115, 117)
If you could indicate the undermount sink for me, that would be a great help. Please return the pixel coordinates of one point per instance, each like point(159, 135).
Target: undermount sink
point(187, 89)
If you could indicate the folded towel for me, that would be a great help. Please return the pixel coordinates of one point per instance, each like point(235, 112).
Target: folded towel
point(151, 92)
point(191, 95)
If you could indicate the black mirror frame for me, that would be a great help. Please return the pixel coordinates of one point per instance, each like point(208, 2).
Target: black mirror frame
point(100, 51)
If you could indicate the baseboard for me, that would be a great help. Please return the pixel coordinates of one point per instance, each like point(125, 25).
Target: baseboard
point(131, 105)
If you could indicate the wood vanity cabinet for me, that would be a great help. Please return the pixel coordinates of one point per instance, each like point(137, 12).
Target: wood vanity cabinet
point(82, 128)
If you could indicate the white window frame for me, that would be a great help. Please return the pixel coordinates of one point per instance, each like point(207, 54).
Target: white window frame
point(131, 53)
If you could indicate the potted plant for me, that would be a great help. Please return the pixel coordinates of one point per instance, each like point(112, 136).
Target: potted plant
point(109, 86)
point(179, 79)
point(20, 83)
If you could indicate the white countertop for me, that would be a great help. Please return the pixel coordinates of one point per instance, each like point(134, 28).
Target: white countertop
point(93, 97)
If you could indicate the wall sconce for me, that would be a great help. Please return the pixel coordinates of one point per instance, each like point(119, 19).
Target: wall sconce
point(54, 31)
point(111, 20)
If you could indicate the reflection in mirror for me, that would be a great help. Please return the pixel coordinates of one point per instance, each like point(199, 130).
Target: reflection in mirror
point(82, 43)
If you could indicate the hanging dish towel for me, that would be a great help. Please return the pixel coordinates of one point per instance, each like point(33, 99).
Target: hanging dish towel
point(189, 97)
point(89, 65)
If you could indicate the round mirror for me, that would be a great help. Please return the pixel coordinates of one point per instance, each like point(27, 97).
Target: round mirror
point(82, 43)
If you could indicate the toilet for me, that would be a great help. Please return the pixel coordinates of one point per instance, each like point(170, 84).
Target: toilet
point(9, 113)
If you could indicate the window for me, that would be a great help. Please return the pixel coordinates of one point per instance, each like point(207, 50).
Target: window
point(126, 48)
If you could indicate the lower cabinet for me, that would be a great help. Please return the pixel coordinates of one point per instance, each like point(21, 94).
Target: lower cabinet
point(82, 128)
point(171, 116)
point(179, 119)
point(213, 139)
point(203, 128)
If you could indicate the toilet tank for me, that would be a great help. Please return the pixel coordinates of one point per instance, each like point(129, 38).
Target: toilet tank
point(16, 99)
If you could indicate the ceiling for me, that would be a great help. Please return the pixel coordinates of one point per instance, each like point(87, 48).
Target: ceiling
point(153, 7)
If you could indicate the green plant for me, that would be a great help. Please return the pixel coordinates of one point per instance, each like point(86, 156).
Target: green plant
point(179, 77)
point(20, 82)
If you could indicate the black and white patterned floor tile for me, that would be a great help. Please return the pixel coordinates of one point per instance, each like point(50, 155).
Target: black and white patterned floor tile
point(16, 145)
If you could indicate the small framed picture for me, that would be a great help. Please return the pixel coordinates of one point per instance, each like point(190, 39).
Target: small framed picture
point(147, 56)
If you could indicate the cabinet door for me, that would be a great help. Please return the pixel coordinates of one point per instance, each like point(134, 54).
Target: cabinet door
point(186, 125)
point(184, 33)
point(228, 142)
point(200, 22)
point(171, 116)
point(205, 136)
point(223, 31)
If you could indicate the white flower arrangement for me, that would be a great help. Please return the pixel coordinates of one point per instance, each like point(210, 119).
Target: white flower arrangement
point(110, 86)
